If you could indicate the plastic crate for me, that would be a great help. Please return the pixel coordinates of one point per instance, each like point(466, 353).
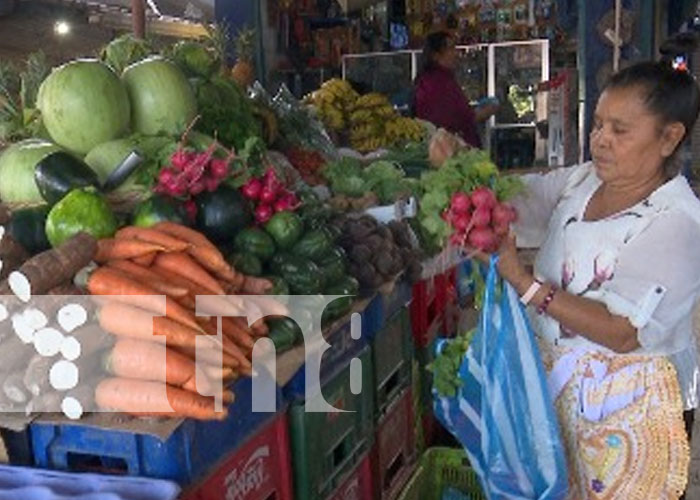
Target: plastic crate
point(398, 298)
point(358, 485)
point(23, 483)
point(394, 452)
point(343, 348)
point(185, 457)
point(431, 298)
point(392, 353)
point(440, 469)
point(327, 445)
point(259, 469)
point(18, 446)
point(372, 317)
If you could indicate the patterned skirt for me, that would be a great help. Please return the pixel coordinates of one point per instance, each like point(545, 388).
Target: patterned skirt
point(621, 420)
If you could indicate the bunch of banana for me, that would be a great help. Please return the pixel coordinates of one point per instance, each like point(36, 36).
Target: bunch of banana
point(368, 121)
point(403, 129)
point(333, 101)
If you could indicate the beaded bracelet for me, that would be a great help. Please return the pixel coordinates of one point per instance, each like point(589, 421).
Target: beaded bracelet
point(547, 300)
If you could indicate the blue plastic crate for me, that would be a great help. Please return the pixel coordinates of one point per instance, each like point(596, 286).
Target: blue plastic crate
point(343, 348)
point(397, 299)
point(372, 320)
point(188, 454)
point(35, 484)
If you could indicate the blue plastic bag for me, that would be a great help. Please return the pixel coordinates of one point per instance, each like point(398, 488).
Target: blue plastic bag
point(503, 414)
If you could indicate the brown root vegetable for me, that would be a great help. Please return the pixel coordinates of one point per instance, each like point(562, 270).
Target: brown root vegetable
point(360, 254)
point(36, 377)
point(384, 264)
point(53, 267)
point(12, 254)
point(5, 214)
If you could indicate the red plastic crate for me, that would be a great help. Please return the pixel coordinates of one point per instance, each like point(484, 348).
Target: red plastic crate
point(394, 451)
point(259, 470)
point(358, 485)
point(431, 299)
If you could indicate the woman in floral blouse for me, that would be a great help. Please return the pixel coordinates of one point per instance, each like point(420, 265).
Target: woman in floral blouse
point(615, 280)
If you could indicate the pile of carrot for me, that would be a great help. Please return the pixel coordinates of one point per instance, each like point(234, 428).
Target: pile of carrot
point(155, 350)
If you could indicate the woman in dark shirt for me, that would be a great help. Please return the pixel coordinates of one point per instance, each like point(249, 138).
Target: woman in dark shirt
point(439, 98)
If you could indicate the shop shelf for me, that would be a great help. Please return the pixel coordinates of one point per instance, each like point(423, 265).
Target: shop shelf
point(327, 445)
point(259, 469)
point(187, 455)
point(394, 451)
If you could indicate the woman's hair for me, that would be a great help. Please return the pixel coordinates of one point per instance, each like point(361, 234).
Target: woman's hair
point(435, 43)
point(671, 94)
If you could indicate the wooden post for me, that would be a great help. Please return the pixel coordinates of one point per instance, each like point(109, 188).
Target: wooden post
point(138, 18)
point(617, 42)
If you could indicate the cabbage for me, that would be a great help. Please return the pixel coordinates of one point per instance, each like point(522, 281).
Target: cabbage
point(124, 51)
point(195, 59)
point(84, 104)
point(162, 100)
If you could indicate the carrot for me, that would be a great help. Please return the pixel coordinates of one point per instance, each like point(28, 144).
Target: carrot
point(124, 320)
point(113, 248)
point(149, 361)
point(169, 243)
point(154, 398)
point(229, 344)
point(184, 233)
point(217, 373)
point(215, 305)
point(145, 260)
point(182, 264)
point(237, 330)
point(109, 281)
point(257, 329)
point(209, 357)
point(53, 267)
point(212, 260)
point(149, 277)
point(256, 286)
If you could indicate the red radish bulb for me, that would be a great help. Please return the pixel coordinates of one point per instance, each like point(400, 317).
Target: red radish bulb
point(458, 239)
point(179, 159)
point(197, 187)
point(166, 176)
point(483, 197)
point(461, 203)
point(191, 209)
point(263, 213)
point(446, 215)
point(268, 195)
point(211, 184)
point(503, 214)
point(252, 189)
point(461, 222)
point(218, 168)
point(287, 203)
point(483, 239)
point(481, 217)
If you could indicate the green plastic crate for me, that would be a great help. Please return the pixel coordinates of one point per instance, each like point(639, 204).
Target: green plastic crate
point(392, 355)
point(439, 469)
point(325, 446)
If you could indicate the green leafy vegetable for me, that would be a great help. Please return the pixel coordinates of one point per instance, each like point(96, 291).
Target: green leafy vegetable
point(445, 367)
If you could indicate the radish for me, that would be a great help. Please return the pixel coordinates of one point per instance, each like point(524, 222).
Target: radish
point(501, 229)
point(252, 188)
point(287, 203)
point(481, 217)
point(461, 222)
point(211, 184)
point(268, 195)
point(166, 176)
point(503, 214)
point(483, 197)
point(197, 187)
point(483, 239)
point(458, 239)
point(218, 168)
point(461, 203)
point(447, 215)
point(263, 213)
point(191, 209)
point(179, 159)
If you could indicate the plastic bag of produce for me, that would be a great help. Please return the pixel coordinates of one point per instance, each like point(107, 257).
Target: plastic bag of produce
point(502, 414)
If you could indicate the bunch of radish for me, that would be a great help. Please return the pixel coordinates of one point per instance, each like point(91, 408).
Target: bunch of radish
point(191, 173)
point(269, 195)
point(479, 220)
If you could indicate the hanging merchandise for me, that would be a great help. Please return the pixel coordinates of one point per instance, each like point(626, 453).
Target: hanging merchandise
point(399, 36)
point(497, 404)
